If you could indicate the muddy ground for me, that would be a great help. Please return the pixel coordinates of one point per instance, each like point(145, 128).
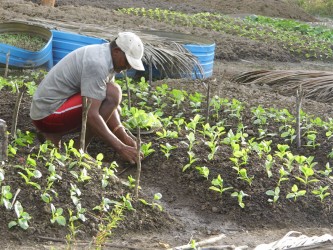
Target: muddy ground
point(191, 210)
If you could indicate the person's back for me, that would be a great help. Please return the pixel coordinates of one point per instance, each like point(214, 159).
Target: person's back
point(83, 70)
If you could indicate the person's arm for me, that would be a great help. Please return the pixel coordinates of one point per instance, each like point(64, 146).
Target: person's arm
point(97, 125)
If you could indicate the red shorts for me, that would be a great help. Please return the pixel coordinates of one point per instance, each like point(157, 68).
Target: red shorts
point(65, 119)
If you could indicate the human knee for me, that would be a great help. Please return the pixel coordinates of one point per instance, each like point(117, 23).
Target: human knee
point(113, 94)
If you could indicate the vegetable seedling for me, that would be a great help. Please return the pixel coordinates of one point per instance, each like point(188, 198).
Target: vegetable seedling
point(192, 159)
point(321, 193)
point(22, 217)
point(295, 193)
point(203, 171)
point(57, 216)
point(218, 185)
point(240, 195)
point(166, 149)
point(274, 193)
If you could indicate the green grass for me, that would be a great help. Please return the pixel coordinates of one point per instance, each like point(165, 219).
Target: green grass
point(317, 7)
point(23, 40)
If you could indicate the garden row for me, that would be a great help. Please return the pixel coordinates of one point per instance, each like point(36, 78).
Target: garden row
point(301, 39)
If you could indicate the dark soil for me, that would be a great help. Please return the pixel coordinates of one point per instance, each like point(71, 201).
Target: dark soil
point(191, 210)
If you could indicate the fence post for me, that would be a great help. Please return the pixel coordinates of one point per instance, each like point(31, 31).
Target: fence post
point(3, 141)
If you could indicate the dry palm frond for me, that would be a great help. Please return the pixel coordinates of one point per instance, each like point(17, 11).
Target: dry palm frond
point(317, 85)
point(172, 60)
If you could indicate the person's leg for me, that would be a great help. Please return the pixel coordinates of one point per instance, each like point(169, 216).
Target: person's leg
point(107, 110)
point(65, 120)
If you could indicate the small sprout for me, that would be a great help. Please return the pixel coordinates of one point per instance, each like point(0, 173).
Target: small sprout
point(295, 193)
point(321, 193)
point(240, 195)
point(22, 217)
point(218, 185)
point(274, 193)
point(203, 171)
point(57, 216)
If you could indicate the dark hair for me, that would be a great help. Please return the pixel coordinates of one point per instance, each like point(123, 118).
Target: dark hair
point(113, 43)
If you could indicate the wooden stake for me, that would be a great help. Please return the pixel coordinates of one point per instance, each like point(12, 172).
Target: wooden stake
point(299, 99)
point(3, 141)
point(17, 108)
point(207, 102)
point(128, 90)
point(85, 109)
point(138, 171)
point(7, 64)
point(150, 72)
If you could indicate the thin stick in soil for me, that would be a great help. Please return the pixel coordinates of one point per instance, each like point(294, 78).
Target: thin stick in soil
point(17, 108)
point(299, 98)
point(7, 64)
point(128, 90)
point(85, 107)
point(3, 141)
point(208, 100)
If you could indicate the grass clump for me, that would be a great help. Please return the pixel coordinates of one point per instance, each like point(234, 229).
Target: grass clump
point(23, 40)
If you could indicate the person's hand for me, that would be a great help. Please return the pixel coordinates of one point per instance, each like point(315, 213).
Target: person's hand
point(129, 141)
point(129, 154)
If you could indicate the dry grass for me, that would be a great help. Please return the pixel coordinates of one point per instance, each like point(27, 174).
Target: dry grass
point(317, 85)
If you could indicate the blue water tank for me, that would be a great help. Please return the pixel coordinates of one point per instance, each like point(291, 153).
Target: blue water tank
point(65, 42)
point(25, 58)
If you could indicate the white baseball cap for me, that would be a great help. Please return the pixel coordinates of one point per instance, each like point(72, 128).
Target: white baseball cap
point(132, 46)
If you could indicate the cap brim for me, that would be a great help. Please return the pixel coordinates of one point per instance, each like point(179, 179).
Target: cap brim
point(135, 63)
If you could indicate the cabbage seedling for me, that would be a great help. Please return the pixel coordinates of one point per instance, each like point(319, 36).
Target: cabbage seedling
point(6, 196)
point(167, 134)
point(203, 171)
point(269, 162)
point(191, 160)
point(327, 171)
point(321, 192)
point(192, 125)
point(307, 172)
point(179, 122)
point(166, 149)
point(146, 149)
point(295, 193)
point(157, 197)
point(274, 193)
point(22, 217)
point(240, 195)
point(282, 177)
point(213, 149)
point(57, 216)
point(243, 176)
point(218, 185)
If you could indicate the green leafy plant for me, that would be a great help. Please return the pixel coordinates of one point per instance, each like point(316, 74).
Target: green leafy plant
point(295, 193)
point(154, 204)
point(192, 159)
point(166, 149)
point(321, 193)
point(275, 194)
point(218, 185)
point(203, 171)
point(243, 176)
point(146, 149)
point(240, 196)
point(23, 217)
point(57, 216)
point(6, 196)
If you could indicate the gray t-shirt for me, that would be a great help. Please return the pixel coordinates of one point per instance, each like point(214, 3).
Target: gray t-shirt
point(85, 70)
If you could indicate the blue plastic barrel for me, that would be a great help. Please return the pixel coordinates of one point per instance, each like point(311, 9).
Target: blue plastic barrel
point(205, 55)
point(25, 58)
point(65, 42)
